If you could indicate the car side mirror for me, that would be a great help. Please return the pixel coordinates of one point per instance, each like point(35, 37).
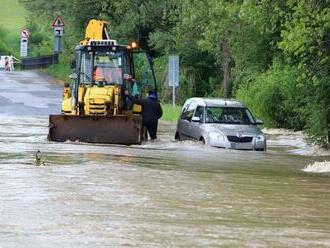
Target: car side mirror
point(196, 119)
point(73, 76)
point(259, 122)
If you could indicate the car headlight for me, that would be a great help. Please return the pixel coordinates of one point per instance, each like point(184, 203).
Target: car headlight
point(260, 137)
point(216, 136)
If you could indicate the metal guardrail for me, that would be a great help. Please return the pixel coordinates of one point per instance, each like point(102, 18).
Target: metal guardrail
point(39, 62)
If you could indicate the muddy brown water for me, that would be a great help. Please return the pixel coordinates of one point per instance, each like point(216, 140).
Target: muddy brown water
point(161, 194)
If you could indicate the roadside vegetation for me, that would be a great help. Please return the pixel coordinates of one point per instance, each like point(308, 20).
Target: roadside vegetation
point(272, 55)
point(12, 20)
point(170, 112)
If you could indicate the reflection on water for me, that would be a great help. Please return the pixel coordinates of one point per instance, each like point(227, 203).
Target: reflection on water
point(159, 194)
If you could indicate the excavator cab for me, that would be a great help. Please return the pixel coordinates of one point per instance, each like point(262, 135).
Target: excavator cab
point(94, 106)
point(103, 66)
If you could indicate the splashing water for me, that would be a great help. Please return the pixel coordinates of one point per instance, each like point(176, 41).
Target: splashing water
point(318, 167)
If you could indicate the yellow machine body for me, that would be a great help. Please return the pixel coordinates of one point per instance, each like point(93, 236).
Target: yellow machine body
point(91, 106)
point(95, 30)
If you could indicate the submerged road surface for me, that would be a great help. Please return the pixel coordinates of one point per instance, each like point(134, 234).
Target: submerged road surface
point(162, 194)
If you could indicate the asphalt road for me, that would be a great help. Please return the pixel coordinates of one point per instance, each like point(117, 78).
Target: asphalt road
point(29, 93)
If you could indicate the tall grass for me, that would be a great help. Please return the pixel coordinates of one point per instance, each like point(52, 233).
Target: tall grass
point(12, 20)
point(12, 17)
point(60, 71)
point(171, 113)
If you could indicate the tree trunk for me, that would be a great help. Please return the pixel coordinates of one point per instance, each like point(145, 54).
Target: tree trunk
point(225, 66)
point(165, 91)
point(328, 128)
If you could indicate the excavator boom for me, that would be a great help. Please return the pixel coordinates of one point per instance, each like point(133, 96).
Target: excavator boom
point(96, 30)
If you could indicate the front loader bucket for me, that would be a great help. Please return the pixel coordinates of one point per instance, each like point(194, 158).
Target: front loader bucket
point(118, 129)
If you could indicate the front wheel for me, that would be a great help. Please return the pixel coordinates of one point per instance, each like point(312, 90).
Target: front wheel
point(177, 136)
point(201, 139)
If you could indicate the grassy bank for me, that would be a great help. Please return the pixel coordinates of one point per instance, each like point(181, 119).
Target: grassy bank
point(60, 71)
point(171, 113)
point(12, 17)
point(12, 20)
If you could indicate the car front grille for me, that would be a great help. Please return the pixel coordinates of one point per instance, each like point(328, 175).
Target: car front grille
point(239, 139)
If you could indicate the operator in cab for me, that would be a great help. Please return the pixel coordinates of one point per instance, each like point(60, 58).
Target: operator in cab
point(151, 112)
point(130, 85)
point(98, 74)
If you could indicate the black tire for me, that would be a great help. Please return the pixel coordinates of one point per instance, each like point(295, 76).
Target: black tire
point(260, 150)
point(201, 139)
point(177, 136)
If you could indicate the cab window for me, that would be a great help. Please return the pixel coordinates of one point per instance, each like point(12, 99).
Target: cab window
point(143, 73)
point(108, 67)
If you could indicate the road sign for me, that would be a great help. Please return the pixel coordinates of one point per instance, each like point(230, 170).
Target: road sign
point(58, 25)
point(173, 71)
point(173, 74)
point(58, 22)
point(25, 33)
point(58, 31)
point(24, 47)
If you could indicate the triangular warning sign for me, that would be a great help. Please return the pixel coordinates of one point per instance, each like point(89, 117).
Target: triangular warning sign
point(58, 22)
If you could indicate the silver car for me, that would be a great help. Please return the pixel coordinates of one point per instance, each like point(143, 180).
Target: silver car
point(221, 123)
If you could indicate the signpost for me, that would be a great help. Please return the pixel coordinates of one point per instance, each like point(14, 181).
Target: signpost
point(24, 42)
point(58, 26)
point(173, 74)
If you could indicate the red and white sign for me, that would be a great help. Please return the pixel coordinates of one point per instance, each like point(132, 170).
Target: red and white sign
point(25, 33)
point(58, 22)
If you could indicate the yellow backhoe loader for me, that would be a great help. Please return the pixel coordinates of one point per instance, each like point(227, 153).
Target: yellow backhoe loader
point(94, 106)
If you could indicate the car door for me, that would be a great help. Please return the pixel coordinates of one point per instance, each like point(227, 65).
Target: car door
point(182, 122)
point(186, 128)
point(195, 126)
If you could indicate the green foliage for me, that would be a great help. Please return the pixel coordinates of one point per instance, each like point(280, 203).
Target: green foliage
point(12, 18)
point(316, 123)
point(40, 42)
point(62, 70)
point(11, 22)
point(277, 96)
point(306, 43)
point(4, 49)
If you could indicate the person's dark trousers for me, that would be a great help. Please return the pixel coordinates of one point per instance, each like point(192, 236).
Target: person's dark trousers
point(151, 126)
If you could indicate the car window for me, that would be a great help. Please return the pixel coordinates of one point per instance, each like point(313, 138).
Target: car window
point(185, 110)
point(199, 112)
point(188, 112)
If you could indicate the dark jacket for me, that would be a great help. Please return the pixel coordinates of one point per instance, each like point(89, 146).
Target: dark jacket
point(151, 109)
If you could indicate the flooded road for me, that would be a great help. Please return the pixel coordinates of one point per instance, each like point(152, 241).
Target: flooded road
point(162, 194)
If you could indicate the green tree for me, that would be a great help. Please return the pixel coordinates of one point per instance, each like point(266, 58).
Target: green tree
point(4, 49)
point(306, 43)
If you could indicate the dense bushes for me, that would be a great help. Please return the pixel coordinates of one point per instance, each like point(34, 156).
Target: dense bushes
point(4, 49)
point(277, 96)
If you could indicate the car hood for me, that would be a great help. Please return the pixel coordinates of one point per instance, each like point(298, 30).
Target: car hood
point(233, 129)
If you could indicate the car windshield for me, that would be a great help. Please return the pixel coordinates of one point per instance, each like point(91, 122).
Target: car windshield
point(229, 115)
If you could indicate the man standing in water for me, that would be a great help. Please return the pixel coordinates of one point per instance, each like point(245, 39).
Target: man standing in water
point(151, 112)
